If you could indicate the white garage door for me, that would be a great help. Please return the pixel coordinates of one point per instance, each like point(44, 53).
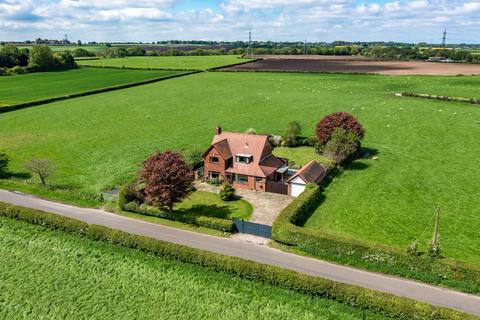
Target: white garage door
point(297, 189)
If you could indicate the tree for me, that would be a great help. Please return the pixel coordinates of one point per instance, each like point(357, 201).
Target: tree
point(41, 57)
point(227, 192)
point(294, 130)
point(168, 179)
point(43, 168)
point(136, 51)
point(343, 120)
point(342, 146)
point(4, 160)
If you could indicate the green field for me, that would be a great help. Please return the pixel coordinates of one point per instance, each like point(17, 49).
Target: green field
point(427, 149)
point(175, 63)
point(53, 275)
point(45, 85)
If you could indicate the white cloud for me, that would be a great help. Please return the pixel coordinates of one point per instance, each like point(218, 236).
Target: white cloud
point(322, 20)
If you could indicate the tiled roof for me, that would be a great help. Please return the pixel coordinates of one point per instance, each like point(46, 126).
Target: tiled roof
point(312, 172)
point(263, 162)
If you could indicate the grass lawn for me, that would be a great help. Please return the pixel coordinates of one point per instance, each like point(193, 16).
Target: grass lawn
point(44, 85)
point(428, 150)
point(209, 204)
point(177, 63)
point(53, 275)
point(299, 156)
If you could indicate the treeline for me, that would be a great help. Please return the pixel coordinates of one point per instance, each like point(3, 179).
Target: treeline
point(39, 58)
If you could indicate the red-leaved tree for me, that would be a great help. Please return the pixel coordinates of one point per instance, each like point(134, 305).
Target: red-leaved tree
point(168, 179)
point(343, 120)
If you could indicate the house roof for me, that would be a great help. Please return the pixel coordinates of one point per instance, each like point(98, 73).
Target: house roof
point(312, 172)
point(230, 144)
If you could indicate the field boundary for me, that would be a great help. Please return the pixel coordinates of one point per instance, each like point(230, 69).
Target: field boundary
point(362, 298)
point(438, 97)
point(9, 108)
point(233, 65)
point(288, 230)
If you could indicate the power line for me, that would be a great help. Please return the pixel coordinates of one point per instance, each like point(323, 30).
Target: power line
point(444, 38)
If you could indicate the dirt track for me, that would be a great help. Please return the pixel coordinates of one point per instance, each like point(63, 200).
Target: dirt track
point(359, 66)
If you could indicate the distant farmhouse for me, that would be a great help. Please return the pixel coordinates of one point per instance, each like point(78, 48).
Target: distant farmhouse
point(246, 161)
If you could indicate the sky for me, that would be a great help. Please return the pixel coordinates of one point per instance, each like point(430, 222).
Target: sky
point(230, 20)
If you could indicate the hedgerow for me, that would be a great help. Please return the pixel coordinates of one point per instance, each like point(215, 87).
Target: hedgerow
point(287, 230)
point(384, 303)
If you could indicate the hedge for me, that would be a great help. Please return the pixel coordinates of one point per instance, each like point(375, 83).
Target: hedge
point(19, 106)
point(287, 230)
point(220, 224)
point(437, 97)
point(384, 303)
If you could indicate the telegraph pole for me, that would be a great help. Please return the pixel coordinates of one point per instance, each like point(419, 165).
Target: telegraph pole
point(305, 48)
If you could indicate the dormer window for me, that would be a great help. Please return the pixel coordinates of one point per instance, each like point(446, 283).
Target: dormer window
point(244, 158)
point(214, 160)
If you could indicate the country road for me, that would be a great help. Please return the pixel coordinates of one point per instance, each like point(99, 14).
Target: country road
point(259, 253)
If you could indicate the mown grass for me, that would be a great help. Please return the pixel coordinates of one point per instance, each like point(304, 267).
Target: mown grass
point(210, 204)
point(45, 85)
point(50, 274)
point(176, 63)
point(299, 156)
point(427, 149)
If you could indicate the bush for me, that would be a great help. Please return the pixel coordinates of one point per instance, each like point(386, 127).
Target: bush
point(214, 181)
point(287, 230)
point(130, 192)
point(343, 146)
point(386, 304)
point(4, 160)
point(344, 120)
point(224, 225)
point(294, 130)
point(227, 192)
point(194, 157)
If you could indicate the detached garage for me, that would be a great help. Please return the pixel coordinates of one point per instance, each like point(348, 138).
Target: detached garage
point(312, 172)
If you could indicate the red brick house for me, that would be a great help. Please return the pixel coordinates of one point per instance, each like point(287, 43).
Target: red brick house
point(245, 161)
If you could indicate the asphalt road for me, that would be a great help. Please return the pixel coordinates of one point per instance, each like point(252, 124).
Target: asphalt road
point(259, 253)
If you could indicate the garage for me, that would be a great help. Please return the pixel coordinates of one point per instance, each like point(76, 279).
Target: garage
point(310, 173)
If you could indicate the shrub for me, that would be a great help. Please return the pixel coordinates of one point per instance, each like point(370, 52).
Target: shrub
point(130, 192)
point(131, 206)
point(251, 131)
point(292, 133)
point(342, 147)
point(4, 160)
point(168, 179)
point(214, 181)
point(344, 120)
point(227, 192)
point(194, 157)
point(386, 304)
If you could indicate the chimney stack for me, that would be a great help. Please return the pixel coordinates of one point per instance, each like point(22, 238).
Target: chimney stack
point(218, 130)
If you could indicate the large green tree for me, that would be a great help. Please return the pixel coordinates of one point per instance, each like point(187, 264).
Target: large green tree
point(41, 57)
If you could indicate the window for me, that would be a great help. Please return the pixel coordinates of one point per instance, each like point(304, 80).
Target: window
point(258, 179)
point(213, 175)
point(239, 178)
point(214, 160)
point(244, 159)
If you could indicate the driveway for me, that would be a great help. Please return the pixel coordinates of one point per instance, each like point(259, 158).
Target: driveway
point(259, 253)
point(266, 205)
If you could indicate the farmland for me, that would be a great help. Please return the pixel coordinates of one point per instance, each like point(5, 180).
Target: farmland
point(175, 63)
point(359, 65)
point(63, 48)
point(427, 149)
point(58, 268)
point(45, 85)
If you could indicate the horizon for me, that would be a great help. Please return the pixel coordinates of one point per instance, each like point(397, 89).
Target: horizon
point(230, 20)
